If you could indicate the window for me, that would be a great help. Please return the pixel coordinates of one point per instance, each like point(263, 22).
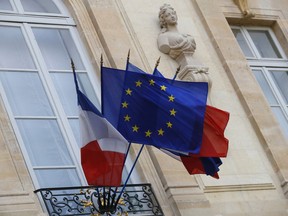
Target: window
point(270, 67)
point(5, 5)
point(38, 39)
point(31, 6)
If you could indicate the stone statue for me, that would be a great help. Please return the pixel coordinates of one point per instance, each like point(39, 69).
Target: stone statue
point(170, 41)
point(180, 47)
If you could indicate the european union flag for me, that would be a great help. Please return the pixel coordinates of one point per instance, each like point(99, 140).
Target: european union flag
point(153, 110)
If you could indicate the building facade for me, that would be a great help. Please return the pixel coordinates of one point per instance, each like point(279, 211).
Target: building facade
point(239, 47)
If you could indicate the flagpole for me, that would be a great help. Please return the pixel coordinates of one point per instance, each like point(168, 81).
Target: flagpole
point(129, 145)
point(101, 65)
point(104, 194)
point(128, 58)
point(131, 170)
point(74, 75)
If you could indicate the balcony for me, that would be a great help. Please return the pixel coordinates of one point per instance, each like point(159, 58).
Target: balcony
point(136, 199)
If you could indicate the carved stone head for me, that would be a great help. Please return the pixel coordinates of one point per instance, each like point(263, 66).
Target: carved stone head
point(167, 16)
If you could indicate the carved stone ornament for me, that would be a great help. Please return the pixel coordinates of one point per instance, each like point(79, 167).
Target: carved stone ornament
point(244, 7)
point(170, 40)
point(180, 47)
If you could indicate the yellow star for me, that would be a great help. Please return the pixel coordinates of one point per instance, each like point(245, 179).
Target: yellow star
point(151, 82)
point(138, 83)
point(160, 132)
point(148, 133)
point(128, 91)
point(169, 124)
point(135, 128)
point(163, 88)
point(127, 118)
point(173, 112)
point(124, 104)
point(171, 98)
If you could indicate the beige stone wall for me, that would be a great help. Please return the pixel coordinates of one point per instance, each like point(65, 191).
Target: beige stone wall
point(254, 176)
point(16, 188)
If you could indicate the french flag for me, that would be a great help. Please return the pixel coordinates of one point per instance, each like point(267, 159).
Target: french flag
point(103, 148)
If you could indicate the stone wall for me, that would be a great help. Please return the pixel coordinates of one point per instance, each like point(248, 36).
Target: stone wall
point(253, 177)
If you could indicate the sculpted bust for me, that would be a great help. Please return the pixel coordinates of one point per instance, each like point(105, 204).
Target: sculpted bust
point(170, 41)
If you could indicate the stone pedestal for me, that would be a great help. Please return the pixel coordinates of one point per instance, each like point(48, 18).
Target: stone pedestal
point(192, 70)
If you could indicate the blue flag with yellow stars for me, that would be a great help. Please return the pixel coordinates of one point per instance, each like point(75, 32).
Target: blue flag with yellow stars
point(152, 110)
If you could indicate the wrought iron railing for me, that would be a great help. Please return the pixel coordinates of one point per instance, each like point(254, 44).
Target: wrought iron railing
point(137, 199)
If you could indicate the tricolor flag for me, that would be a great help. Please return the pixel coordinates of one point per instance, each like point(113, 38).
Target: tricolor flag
point(103, 147)
point(214, 143)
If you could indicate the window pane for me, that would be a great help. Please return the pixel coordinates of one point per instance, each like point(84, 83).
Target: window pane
point(74, 123)
point(281, 80)
point(41, 6)
point(44, 142)
point(264, 44)
point(242, 43)
point(65, 87)
point(265, 87)
point(86, 87)
point(64, 84)
point(281, 119)
point(25, 94)
point(5, 5)
point(58, 48)
point(61, 178)
point(14, 52)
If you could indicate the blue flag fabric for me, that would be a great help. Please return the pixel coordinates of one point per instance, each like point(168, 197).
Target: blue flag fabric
point(153, 110)
point(133, 68)
point(156, 72)
point(207, 165)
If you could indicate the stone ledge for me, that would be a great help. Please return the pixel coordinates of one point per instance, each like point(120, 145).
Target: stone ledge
point(16, 198)
point(187, 197)
point(239, 183)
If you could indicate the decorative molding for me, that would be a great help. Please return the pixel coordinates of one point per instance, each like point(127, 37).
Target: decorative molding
point(239, 183)
point(244, 7)
point(188, 196)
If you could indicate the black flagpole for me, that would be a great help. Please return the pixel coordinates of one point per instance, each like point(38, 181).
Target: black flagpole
point(156, 65)
point(177, 72)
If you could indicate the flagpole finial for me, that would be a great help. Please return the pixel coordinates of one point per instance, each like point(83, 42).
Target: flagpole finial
point(157, 62)
point(101, 60)
point(72, 65)
point(177, 71)
point(128, 55)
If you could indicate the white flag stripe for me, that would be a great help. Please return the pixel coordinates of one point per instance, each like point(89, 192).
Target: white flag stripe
point(94, 127)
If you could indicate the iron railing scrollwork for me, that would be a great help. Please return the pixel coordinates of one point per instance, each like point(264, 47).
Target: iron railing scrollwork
point(137, 199)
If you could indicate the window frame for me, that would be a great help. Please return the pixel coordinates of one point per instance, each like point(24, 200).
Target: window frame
point(19, 15)
point(56, 106)
point(267, 65)
point(26, 22)
point(45, 20)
